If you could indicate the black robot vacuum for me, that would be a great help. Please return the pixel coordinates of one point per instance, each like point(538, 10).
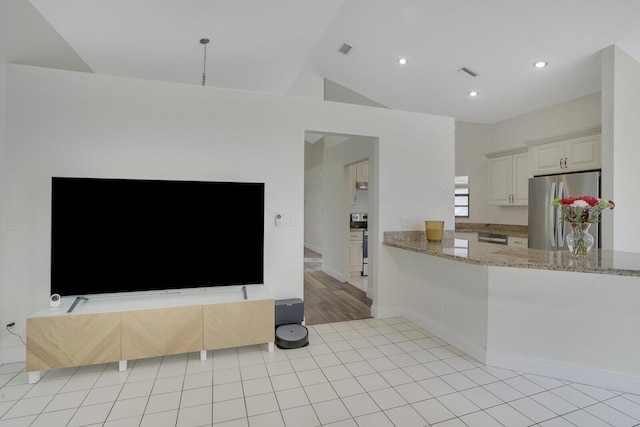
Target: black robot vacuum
point(290, 333)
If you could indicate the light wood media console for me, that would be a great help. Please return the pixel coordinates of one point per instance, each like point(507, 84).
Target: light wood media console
point(121, 328)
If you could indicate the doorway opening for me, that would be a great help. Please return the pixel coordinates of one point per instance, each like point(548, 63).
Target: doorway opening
point(334, 286)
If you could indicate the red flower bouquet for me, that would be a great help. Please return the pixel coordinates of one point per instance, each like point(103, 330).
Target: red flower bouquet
point(581, 212)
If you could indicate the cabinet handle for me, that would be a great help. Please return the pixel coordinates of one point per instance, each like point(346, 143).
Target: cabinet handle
point(565, 162)
point(560, 163)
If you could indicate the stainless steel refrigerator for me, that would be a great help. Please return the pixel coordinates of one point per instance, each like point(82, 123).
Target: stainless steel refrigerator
point(545, 229)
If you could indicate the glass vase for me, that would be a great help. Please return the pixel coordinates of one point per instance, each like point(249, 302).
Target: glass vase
point(579, 241)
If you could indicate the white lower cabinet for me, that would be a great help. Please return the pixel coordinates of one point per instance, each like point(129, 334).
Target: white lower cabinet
point(355, 251)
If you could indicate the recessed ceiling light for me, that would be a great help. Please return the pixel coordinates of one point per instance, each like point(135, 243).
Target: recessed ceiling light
point(402, 61)
point(473, 93)
point(540, 64)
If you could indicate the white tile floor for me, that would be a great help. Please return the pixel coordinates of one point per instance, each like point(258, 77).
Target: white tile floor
point(361, 373)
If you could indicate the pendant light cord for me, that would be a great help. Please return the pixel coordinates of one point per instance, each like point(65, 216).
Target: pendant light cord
point(204, 65)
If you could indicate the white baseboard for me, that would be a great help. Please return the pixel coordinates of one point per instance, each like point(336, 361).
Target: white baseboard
point(333, 273)
point(562, 371)
point(386, 312)
point(313, 248)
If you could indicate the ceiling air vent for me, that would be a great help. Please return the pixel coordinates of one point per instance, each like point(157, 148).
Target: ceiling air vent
point(465, 72)
point(345, 48)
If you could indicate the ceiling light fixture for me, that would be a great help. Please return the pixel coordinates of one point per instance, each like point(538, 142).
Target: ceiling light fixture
point(540, 64)
point(345, 48)
point(465, 72)
point(473, 93)
point(402, 61)
point(204, 43)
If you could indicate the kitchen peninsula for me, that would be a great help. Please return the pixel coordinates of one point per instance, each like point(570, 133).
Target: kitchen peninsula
point(465, 247)
point(525, 309)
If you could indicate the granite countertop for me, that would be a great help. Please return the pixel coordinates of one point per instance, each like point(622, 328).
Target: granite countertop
point(462, 245)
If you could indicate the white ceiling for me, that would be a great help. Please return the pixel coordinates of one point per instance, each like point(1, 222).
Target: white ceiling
point(260, 45)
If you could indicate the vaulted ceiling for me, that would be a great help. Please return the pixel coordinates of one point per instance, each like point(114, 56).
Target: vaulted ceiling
point(271, 46)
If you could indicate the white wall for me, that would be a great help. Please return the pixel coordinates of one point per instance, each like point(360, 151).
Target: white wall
point(362, 202)
point(473, 141)
point(314, 231)
point(412, 186)
point(579, 327)
point(61, 123)
point(446, 297)
point(308, 84)
point(620, 147)
point(313, 208)
point(338, 93)
point(6, 340)
point(579, 113)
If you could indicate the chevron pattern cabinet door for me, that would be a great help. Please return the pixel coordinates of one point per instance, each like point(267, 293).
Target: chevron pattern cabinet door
point(161, 331)
point(72, 340)
point(239, 323)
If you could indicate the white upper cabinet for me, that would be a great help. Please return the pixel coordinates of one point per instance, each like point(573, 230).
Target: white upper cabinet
point(509, 178)
point(565, 154)
point(358, 175)
point(520, 179)
point(362, 171)
point(352, 184)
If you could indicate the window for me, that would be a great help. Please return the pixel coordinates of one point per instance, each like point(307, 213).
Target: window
point(461, 247)
point(462, 197)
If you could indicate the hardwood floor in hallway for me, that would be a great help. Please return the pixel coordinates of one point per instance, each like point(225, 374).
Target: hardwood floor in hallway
point(328, 300)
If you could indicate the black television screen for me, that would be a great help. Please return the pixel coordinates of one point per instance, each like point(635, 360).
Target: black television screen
point(125, 235)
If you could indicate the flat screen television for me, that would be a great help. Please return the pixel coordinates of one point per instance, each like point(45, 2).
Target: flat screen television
point(127, 235)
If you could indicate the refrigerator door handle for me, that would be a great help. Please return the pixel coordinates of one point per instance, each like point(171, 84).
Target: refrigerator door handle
point(561, 224)
point(553, 232)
